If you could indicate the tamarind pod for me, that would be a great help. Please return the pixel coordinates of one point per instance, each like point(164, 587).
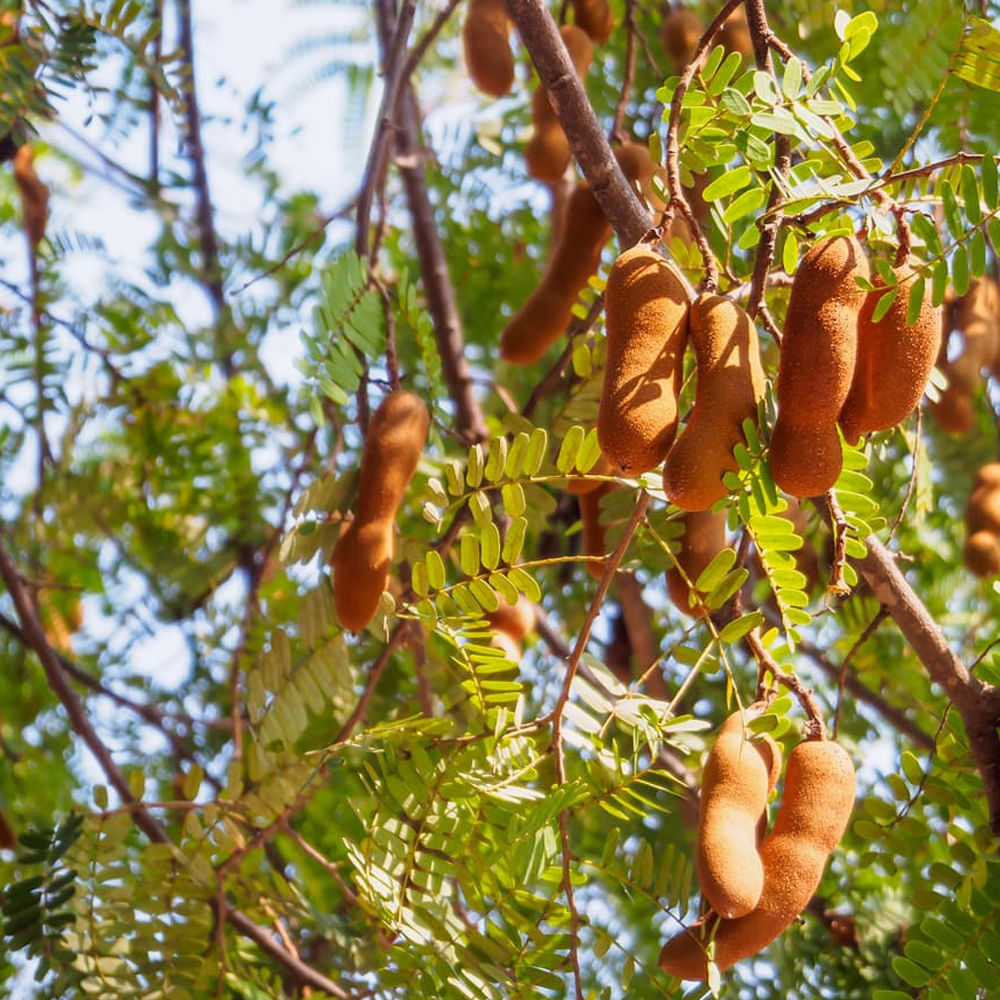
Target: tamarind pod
point(363, 554)
point(486, 41)
point(953, 411)
point(547, 311)
point(640, 168)
point(515, 620)
point(34, 195)
point(680, 33)
point(815, 809)
point(646, 320)
point(703, 539)
point(592, 532)
point(894, 360)
point(595, 17)
point(735, 783)
point(981, 554)
point(547, 153)
point(734, 34)
point(817, 365)
point(977, 316)
point(580, 486)
point(730, 384)
point(982, 511)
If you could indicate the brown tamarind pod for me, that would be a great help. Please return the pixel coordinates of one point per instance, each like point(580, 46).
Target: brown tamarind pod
point(730, 385)
point(894, 360)
point(595, 17)
point(680, 33)
point(817, 365)
point(977, 318)
point(547, 311)
point(646, 319)
point(734, 34)
point(34, 195)
point(363, 554)
point(486, 41)
point(981, 554)
point(547, 153)
point(592, 532)
point(703, 539)
point(982, 511)
point(640, 168)
point(735, 784)
point(511, 624)
point(815, 809)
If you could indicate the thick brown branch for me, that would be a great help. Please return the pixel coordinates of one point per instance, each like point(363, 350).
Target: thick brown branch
point(978, 703)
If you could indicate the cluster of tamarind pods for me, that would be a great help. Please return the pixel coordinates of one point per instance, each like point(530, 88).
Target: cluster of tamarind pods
point(754, 882)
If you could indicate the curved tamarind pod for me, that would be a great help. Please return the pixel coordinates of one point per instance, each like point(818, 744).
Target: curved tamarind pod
point(981, 554)
point(730, 384)
point(595, 17)
point(817, 365)
point(646, 320)
point(894, 360)
point(703, 539)
point(592, 531)
point(486, 41)
point(547, 153)
point(547, 311)
point(736, 780)
point(819, 796)
point(34, 195)
point(363, 554)
point(680, 33)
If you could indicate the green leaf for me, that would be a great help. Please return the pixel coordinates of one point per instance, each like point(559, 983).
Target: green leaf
point(911, 768)
point(469, 554)
point(791, 81)
point(489, 545)
point(978, 60)
point(729, 183)
point(497, 459)
point(514, 542)
point(570, 448)
point(911, 973)
point(436, 576)
point(739, 627)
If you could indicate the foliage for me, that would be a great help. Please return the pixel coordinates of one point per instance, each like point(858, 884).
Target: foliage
point(412, 811)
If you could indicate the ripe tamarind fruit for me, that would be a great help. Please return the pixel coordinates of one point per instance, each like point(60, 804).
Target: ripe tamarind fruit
point(363, 554)
point(815, 809)
point(486, 41)
point(645, 308)
point(816, 365)
point(981, 554)
point(730, 385)
point(595, 17)
point(703, 539)
point(592, 533)
point(982, 511)
point(977, 317)
point(511, 624)
point(735, 784)
point(680, 33)
point(547, 311)
point(34, 195)
point(734, 34)
point(547, 153)
point(894, 360)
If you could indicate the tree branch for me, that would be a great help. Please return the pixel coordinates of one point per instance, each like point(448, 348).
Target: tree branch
point(978, 703)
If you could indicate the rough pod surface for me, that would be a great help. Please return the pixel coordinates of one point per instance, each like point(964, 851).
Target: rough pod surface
point(819, 796)
point(646, 318)
point(734, 787)
point(894, 360)
point(363, 554)
point(817, 365)
point(730, 384)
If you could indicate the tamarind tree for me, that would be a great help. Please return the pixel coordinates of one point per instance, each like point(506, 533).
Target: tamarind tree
point(208, 786)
